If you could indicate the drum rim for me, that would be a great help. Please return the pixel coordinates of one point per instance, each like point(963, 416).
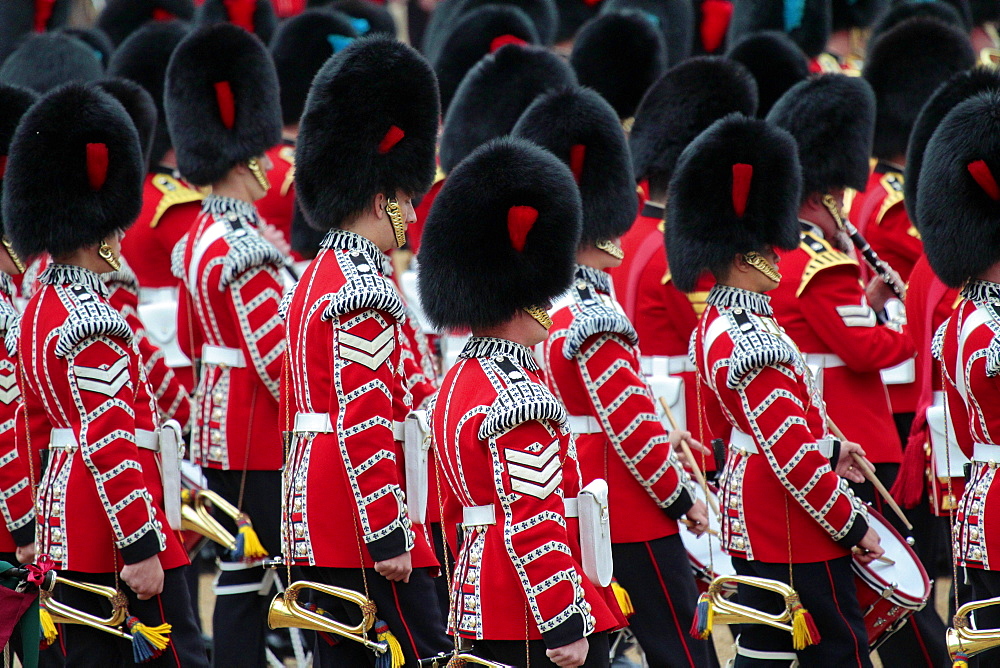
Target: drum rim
point(877, 582)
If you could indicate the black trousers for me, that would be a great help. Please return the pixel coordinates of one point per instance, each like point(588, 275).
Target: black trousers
point(985, 584)
point(409, 609)
point(239, 621)
point(827, 591)
point(519, 653)
point(441, 584)
point(87, 647)
point(657, 576)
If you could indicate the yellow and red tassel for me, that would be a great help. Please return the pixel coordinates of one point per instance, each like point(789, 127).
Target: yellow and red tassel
point(48, 627)
point(804, 631)
point(248, 545)
point(704, 614)
point(148, 642)
point(624, 600)
point(961, 660)
point(393, 657)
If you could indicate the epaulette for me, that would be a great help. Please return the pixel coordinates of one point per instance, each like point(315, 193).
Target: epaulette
point(937, 342)
point(88, 318)
point(177, 258)
point(365, 289)
point(753, 348)
point(822, 256)
point(286, 302)
point(174, 192)
point(12, 332)
point(594, 318)
point(287, 153)
point(892, 184)
point(8, 316)
point(247, 250)
point(521, 401)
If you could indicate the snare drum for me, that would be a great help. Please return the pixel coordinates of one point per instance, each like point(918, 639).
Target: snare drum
point(708, 561)
point(889, 594)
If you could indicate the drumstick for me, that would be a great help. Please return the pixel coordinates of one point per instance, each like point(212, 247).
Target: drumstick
point(695, 469)
point(869, 474)
point(689, 523)
point(884, 560)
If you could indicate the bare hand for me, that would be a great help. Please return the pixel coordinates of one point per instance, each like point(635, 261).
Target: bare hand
point(698, 517)
point(571, 655)
point(870, 548)
point(145, 578)
point(677, 437)
point(846, 466)
point(274, 235)
point(397, 569)
point(26, 554)
point(879, 292)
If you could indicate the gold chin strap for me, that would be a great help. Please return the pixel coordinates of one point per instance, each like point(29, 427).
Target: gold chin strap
point(14, 257)
point(398, 221)
point(108, 255)
point(611, 249)
point(253, 164)
point(540, 315)
point(757, 261)
point(831, 205)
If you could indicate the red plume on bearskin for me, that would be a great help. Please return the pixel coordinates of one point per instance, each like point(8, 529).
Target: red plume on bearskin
point(520, 220)
point(982, 175)
point(742, 178)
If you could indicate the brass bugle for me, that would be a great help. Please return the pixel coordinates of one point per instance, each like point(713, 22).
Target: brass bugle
point(464, 659)
point(726, 611)
point(64, 614)
point(196, 517)
point(285, 612)
point(963, 638)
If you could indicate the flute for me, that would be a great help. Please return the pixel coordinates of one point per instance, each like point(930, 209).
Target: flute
point(877, 264)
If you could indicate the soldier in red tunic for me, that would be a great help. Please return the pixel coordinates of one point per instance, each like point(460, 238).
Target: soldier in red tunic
point(591, 363)
point(959, 213)
point(221, 100)
point(519, 592)
point(73, 182)
point(345, 396)
point(787, 515)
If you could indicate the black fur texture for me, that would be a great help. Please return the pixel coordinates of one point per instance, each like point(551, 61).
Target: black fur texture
point(559, 120)
point(572, 15)
point(754, 15)
point(300, 47)
point(305, 239)
point(543, 14)
point(620, 55)
point(48, 204)
point(471, 40)
point(674, 18)
point(380, 21)
point(143, 58)
point(904, 67)
point(849, 14)
point(14, 102)
point(338, 172)
point(950, 14)
point(959, 222)
point(704, 232)
point(494, 94)
point(140, 107)
point(48, 60)
point(206, 149)
point(17, 20)
point(832, 119)
point(120, 18)
point(776, 63)
point(984, 11)
point(471, 276)
point(264, 19)
point(681, 105)
point(96, 39)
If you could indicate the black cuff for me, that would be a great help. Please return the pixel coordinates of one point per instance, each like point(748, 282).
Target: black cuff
point(835, 455)
point(680, 506)
point(566, 633)
point(144, 548)
point(389, 546)
point(856, 533)
point(25, 535)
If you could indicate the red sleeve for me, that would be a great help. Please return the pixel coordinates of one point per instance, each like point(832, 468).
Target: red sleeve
point(253, 299)
point(15, 485)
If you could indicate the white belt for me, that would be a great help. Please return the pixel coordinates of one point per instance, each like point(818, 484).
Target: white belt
point(65, 439)
point(660, 365)
point(155, 295)
point(476, 516)
point(584, 424)
point(823, 360)
point(745, 442)
point(986, 453)
point(231, 357)
point(320, 423)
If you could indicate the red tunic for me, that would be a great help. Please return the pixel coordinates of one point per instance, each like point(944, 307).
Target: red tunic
point(99, 501)
point(968, 346)
point(278, 205)
point(228, 318)
point(786, 488)
point(15, 490)
point(591, 364)
point(821, 304)
point(344, 482)
point(501, 439)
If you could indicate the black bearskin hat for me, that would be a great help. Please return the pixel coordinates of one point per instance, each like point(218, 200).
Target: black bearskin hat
point(674, 19)
point(543, 14)
point(371, 18)
point(18, 18)
point(477, 33)
point(254, 16)
point(832, 118)
point(949, 13)
point(849, 14)
point(14, 102)
point(904, 67)
point(494, 94)
point(960, 87)
point(96, 39)
point(502, 235)
point(572, 15)
point(620, 55)
point(776, 62)
point(959, 204)
point(680, 106)
point(390, 146)
point(74, 172)
point(143, 58)
point(140, 107)
point(43, 62)
point(810, 26)
point(120, 18)
point(984, 11)
point(301, 45)
point(221, 101)
point(580, 128)
point(736, 189)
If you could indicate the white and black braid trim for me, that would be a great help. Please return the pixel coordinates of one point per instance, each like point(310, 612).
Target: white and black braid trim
point(247, 250)
point(88, 320)
point(993, 351)
point(366, 292)
point(286, 302)
point(596, 319)
point(937, 342)
point(12, 335)
point(123, 278)
point(520, 403)
point(177, 258)
point(754, 348)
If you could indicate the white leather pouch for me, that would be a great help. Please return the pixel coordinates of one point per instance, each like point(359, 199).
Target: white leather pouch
point(946, 451)
point(416, 447)
point(171, 444)
point(595, 533)
point(160, 320)
point(670, 388)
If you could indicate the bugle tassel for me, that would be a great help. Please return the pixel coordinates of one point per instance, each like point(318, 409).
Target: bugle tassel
point(48, 627)
point(961, 660)
point(393, 658)
point(624, 600)
point(248, 545)
point(148, 642)
point(701, 625)
point(804, 631)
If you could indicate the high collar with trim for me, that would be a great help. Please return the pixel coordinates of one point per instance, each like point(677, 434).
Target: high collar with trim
point(726, 296)
point(488, 346)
